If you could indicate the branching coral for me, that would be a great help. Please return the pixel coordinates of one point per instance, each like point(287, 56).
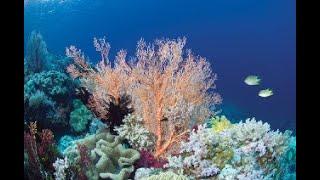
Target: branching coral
point(195, 159)
point(168, 86)
point(134, 131)
point(111, 159)
point(246, 150)
point(60, 166)
point(80, 116)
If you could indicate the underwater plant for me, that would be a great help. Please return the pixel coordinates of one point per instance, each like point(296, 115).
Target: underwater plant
point(156, 82)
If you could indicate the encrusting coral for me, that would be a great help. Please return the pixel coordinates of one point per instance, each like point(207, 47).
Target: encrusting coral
point(156, 82)
point(109, 157)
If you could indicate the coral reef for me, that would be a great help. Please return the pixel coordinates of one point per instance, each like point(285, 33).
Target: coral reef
point(145, 172)
point(40, 152)
point(36, 53)
point(97, 126)
point(165, 176)
point(147, 160)
point(47, 97)
point(220, 123)
point(80, 116)
point(136, 134)
point(196, 159)
point(38, 58)
point(60, 166)
point(244, 150)
point(150, 117)
point(66, 141)
point(156, 83)
point(112, 159)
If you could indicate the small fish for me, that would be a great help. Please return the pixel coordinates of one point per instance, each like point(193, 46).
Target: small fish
point(265, 93)
point(252, 80)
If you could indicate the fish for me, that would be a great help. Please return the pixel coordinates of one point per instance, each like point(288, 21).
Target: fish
point(252, 80)
point(265, 93)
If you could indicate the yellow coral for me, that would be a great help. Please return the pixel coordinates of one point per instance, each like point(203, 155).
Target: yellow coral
point(222, 157)
point(220, 123)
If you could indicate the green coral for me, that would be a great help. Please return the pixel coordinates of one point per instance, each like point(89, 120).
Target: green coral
point(47, 98)
point(80, 116)
point(111, 159)
point(166, 176)
point(220, 123)
point(55, 84)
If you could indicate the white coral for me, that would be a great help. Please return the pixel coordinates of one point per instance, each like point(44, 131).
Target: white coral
point(60, 165)
point(134, 131)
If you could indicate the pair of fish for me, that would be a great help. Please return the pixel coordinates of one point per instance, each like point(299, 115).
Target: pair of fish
point(253, 80)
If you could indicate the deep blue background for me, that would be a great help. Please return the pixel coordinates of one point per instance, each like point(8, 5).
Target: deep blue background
point(238, 37)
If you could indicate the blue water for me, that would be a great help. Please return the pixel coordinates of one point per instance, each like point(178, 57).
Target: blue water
point(238, 37)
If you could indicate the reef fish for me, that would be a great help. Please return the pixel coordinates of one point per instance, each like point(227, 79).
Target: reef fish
point(265, 93)
point(252, 80)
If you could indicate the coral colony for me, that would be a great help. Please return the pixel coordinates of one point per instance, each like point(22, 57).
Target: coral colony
point(151, 116)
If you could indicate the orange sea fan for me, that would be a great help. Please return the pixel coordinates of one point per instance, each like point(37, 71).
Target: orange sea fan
point(170, 88)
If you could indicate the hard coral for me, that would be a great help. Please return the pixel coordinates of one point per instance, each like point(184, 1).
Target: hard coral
point(136, 134)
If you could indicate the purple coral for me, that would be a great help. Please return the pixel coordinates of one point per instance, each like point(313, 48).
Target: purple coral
point(147, 160)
